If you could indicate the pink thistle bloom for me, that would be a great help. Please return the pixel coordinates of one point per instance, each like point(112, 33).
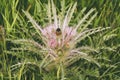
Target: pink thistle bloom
point(54, 36)
point(60, 39)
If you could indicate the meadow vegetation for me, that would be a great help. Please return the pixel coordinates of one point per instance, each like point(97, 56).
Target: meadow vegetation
point(21, 58)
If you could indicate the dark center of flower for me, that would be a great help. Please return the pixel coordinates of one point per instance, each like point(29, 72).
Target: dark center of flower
point(58, 31)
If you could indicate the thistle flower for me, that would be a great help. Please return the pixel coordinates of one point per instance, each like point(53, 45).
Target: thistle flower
point(57, 38)
point(60, 39)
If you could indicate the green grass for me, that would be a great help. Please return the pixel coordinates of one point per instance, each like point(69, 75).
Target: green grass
point(19, 64)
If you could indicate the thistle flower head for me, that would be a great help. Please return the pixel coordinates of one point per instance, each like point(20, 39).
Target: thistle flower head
point(57, 37)
point(61, 39)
